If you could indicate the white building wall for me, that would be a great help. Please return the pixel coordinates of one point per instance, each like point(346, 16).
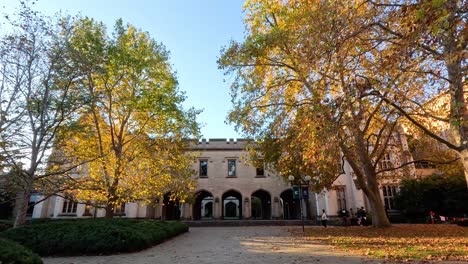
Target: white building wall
point(38, 208)
point(217, 153)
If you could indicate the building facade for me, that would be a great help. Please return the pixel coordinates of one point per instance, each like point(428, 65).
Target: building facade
point(229, 188)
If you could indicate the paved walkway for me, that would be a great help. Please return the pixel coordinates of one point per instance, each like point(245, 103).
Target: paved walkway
point(236, 245)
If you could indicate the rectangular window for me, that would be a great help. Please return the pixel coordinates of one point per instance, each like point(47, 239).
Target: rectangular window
point(30, 210)
point(87, 209)
point(341, 197)
point(339, 167)
point(260, 171)
point(389, 192)
point(203, 168)
point(119, 209)
point(231, 168)
point(385, 163)
point(69, 205)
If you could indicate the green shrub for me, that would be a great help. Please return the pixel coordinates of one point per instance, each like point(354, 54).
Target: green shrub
point(93, 236)
point(13, 253)
point(5, 224)
point(463, 222)
point(441, 194)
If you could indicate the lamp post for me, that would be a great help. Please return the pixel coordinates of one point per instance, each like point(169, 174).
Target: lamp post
point(307, 180)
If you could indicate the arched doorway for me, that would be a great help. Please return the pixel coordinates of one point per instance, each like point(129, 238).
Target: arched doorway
point(232, 205)
point(203, 206)
point(291, 207)
point(170, 208)
point(261, 205)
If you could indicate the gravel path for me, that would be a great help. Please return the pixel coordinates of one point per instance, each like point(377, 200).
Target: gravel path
point(236, 245)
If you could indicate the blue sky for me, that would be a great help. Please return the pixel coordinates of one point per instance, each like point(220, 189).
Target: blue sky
point(192, 30)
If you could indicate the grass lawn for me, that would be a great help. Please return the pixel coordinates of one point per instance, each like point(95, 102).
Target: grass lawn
point(399, 242)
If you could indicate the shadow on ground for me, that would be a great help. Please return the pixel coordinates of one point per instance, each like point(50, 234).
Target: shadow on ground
point(242, 245)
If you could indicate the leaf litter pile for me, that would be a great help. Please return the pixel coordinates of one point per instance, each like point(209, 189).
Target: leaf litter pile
point(399, 242)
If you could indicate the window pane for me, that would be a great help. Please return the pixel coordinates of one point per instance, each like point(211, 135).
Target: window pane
point(203, 168)
point(69, 205)
point(341, 197)
point(260, 171)
point(119, 208)
point(231, 167)
point(87, 209)
point(65, 205)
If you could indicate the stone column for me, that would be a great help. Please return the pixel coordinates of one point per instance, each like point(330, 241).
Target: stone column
point(189, 211)
point(325, 194)
point(182, 211)
point(275, 209)
point(158, 210)
point(246, 211)
point(150, 211)
point(317, 208)
point(218, 207)
point(51, 206)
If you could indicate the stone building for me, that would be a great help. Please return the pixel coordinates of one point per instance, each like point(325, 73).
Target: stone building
point(229, 188)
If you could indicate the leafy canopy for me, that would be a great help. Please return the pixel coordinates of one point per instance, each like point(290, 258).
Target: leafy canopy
point(133, 130)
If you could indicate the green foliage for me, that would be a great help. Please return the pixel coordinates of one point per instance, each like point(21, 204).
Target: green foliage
point(463, 222)
point(443, 195)
point(134, 120)
point(5, 224)
point(13, 253)
point(6, 203)
point(93, 236)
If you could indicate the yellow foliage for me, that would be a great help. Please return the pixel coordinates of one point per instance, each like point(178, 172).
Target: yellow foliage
point(131, 137)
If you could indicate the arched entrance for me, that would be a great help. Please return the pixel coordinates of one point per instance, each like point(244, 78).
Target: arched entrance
point(291, 207)
point(261, 205)
point(232, 205)
point(170, 208)
point(203, 206)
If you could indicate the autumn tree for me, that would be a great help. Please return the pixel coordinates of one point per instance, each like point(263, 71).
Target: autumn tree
point(427, 40)
point(305, 76)
point(133, 127)
point(37, 98)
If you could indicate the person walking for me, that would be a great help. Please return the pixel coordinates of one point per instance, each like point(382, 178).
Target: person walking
point(344, 214)
point(324, 218)
point(362, 216)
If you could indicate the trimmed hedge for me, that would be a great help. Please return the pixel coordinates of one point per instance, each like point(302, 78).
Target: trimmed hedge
point(463, 222)
point(93, 236)
point(5, 224)
point(14, 253)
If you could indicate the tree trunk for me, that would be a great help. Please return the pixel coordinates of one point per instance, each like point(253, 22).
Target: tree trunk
point(109, 211)
point(453, 52)
point(22, 198)
point(379, 217)
point(21, 208)
point(464, 159)
point(367, 178)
